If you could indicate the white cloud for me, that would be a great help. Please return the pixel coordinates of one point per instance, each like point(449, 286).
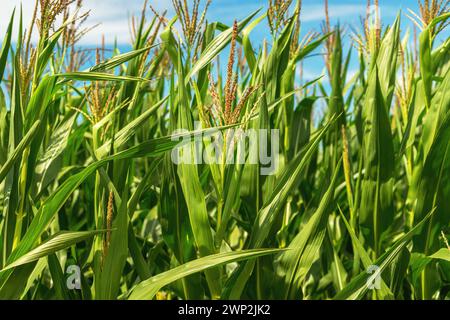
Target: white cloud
point(113, 18)
point(316, 12)
point(352, 12)
point(113, 15)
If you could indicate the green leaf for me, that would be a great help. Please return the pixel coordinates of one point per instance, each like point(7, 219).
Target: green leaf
point(119, 60)
point(440, 107)
point(292, 266)
point(442, 254)
point(192, 189)
point(387, 61)
point(247, 45)
point(289, 180)
point(146, 290)
point(61, 240)
point(216, 46)
point(376, 208)
point(96, 76)
point(358, 287)
point(385, 292)
point(5, 46)
point(17, 153)
point(50, 207)
point(108, 278)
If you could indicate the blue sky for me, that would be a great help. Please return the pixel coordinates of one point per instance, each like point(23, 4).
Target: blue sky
point(113, 17)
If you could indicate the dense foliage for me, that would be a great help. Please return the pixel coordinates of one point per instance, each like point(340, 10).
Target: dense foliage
point(87, 177)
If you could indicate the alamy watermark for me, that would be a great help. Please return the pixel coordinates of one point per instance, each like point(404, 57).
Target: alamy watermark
point(229, 146)
point(73, 281)
point(374, 280)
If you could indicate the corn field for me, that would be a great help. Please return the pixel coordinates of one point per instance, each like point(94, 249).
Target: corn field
point(93, 205)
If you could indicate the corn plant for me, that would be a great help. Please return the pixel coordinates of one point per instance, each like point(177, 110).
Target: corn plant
point(94, 205)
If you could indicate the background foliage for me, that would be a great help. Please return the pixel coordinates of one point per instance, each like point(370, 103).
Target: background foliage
point(86, 176)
